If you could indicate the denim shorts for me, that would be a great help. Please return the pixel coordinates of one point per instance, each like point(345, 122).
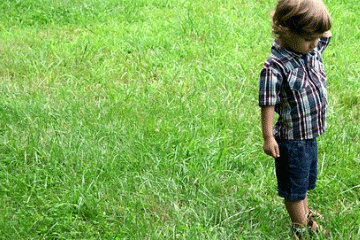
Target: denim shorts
point(296, 168)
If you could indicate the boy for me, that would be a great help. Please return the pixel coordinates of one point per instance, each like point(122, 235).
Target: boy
point(293, 84)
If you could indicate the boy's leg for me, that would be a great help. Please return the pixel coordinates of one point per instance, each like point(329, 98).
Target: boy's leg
point(297, 212)
point(307, 210)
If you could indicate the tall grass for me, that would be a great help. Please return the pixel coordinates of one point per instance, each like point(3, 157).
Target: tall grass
point(139, 120)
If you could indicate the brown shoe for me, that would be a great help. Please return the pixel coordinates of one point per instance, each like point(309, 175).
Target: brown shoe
point(315, 215)
point(315, 228)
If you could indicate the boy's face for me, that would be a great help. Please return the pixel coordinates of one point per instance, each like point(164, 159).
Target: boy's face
point(300, 44)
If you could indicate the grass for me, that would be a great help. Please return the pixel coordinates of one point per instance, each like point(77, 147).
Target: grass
point(139, 120)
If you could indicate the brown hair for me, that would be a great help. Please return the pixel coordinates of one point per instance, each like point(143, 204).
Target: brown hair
point(303, 17)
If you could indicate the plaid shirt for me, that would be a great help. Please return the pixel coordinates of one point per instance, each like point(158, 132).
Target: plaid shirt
point(296, 85)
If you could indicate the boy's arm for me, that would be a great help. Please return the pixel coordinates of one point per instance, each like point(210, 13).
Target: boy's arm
point(271, 147)
point(324, 41)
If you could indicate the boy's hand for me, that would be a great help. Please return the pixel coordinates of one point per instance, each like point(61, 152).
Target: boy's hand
point(326, 34)
point(271, 147)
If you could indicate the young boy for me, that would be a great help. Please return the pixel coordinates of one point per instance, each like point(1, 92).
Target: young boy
point(293, 84)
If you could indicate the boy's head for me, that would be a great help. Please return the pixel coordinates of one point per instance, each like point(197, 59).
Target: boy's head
point(301, 17)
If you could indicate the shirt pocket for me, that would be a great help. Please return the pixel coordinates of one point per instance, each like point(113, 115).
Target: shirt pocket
point(303, 94)
point(297, 80)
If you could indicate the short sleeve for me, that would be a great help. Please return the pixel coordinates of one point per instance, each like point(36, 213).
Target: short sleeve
point(269, 86)
point(323, 43)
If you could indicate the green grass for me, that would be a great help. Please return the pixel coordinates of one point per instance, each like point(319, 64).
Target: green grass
point(139, 120)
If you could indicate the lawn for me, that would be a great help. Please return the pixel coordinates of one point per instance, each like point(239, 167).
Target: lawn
point(139, 120)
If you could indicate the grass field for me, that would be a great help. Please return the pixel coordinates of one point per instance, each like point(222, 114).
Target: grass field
point(139, 120)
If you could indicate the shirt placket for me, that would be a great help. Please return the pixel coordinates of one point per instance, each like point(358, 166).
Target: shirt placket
point(316, 80)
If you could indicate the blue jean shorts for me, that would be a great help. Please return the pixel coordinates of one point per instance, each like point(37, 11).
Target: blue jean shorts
point(296, 168)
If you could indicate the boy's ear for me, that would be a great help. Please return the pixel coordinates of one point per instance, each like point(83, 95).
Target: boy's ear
point(285, 33)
